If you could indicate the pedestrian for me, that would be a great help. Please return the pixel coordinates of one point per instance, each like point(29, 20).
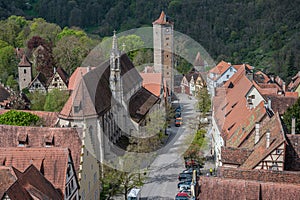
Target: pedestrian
point(211, 171)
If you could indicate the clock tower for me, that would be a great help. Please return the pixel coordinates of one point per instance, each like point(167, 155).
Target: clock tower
point(163, 46)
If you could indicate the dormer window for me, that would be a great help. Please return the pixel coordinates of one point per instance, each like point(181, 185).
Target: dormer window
point(22, 140)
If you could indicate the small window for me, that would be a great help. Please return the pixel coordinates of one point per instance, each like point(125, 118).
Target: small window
point(227, 76)
point(167, 38)
point(25, 71)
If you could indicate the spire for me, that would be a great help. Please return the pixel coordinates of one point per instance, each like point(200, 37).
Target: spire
point(114, 42)
point(24, 62)
point(163, 19)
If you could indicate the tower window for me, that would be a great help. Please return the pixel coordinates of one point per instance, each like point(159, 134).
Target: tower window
point(24, 79)
point(167, 38)
point(25, 71)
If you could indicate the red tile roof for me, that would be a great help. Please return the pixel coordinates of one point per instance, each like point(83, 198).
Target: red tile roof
point(76, 76)
point(152, 82)
point(31, 184)
point(24, 62)
point(163, 19)
point(226, 188)
point(7, 178)
point(37, 137)
point(260, 151)
point(293, 85)
point(235, 156)
point(52, 162)
point(220, 68)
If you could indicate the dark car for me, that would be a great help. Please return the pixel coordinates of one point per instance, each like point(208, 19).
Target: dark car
point(177, 115)
point(185, 177)
point(184, 183)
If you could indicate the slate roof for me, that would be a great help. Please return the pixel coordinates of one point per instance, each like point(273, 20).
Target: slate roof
point(31, 184)
point(163, 19)
point(177, 80)
point(52, 162)
point(152, 82)
point(140, 104)
point(37, 136)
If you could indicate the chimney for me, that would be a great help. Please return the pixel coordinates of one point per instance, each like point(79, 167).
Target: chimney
point(283, 87)
point(268, 139)
point(88, 69)
point(269, 104)
point(293, 125)
point(256, 133)
point(272, 78)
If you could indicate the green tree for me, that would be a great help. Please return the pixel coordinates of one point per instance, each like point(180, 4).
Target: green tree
point(292, 112)
point(19, 118)
point(132, 44)
point(55, 100)
point(204, 101)
point(12, 83)
point(8, 63)
point(37, 100)
point(70, 51)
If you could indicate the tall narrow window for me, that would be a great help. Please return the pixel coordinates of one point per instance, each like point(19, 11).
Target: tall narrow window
point(25, 71)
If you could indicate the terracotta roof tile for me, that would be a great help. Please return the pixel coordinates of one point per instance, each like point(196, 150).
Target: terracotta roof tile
point(37, 137)
point(281, 103)
point(152, 82)
point(32, 184)
point(52, 161)
point(293, 85)
point(24, 62)
point(220, 68)
point(234, 155)
point(76, 76)
point(260, 151)
point(163, 19)
point(7, 178)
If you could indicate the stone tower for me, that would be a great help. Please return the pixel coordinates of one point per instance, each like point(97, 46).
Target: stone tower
point(24, 71)
point(115, 81)
point(163, 39)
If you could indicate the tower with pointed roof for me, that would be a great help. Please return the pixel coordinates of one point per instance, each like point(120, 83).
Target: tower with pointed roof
point(24, 71)
point(115, 81)
point(163, 39)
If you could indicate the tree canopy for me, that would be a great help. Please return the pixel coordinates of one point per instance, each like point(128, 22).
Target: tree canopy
point(19, 118)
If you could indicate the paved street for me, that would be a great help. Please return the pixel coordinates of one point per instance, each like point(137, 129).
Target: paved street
point(162, 181)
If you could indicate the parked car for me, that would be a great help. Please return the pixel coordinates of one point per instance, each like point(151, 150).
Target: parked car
point(192, 163)
point(178, 121)
point(177, 115)
point(134, 194)
point(182, 196)
point(189, 182)
point(185, 177)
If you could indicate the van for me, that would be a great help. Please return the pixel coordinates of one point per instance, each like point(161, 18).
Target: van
point(134, 194)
